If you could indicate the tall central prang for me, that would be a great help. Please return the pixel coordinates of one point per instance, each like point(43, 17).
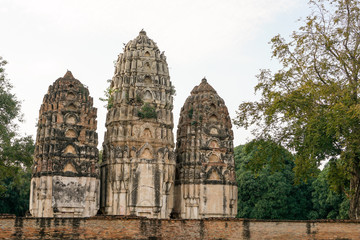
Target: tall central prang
point(138, 167)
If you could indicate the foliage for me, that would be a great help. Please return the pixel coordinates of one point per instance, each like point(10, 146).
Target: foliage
point(138, 99)
point(147, 111)
point(269, 193)
point(267, 153)
point(15, 199)
point(15, 153)
point(191, 112)
point(172, 90)
point(16, 157)
point(109, 96)
point(311, 105)
point(101, 154)
point(327, 204)
point(9, 112)
point(15, 176)
point(9, 107)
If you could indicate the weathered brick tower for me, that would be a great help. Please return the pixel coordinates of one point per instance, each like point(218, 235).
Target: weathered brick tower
point(137, 173)
point(65, 179)
point(205, 184)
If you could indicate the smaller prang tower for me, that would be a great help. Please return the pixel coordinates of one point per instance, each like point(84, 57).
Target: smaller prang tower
point(65, 179)
point(205, 184)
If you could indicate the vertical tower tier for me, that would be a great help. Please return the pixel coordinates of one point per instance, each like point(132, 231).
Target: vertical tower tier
point(205, 184)
point(138, 168)
point(65, 179)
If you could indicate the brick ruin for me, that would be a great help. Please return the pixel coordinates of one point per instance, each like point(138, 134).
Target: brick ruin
point(205, 184)
point(65, 178)
point(137, 173)
point(140, 173)
point(121, 227)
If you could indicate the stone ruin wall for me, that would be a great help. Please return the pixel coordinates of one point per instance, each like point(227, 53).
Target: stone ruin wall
point(138, 166)
point(65, 177)
point(114, 227)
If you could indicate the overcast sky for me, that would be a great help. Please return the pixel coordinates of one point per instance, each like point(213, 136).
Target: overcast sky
point(226, 41)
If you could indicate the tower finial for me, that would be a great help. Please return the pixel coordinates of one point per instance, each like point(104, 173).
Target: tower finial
point(204, 80)
point(142, 32)
point(68, 74)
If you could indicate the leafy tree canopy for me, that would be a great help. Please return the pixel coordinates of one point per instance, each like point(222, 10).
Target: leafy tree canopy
point(269, 193)
point(15, 178)
point(9, 107)
point(327, 204)
point(311, 105)
point(15, 152)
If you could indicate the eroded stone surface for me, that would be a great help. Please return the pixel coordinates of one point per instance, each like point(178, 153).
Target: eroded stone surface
point(137, 172)
point(65, 179)
point(205, 172)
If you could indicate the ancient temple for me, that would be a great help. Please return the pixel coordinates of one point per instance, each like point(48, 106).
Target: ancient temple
point(138, 168)
point(139, 174)
point(205, 184)
point(65, 179)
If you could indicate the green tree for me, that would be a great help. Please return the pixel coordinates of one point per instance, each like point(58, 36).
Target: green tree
point(327, 204)
point(9, 107)
point(15, 179)
point(269, 192)
point(311, 105)
point(15, 152)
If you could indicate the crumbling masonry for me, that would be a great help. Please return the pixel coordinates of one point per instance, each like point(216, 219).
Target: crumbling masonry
point(205, 184)
point(140, 172)
point(65, 178)
point(138, 169)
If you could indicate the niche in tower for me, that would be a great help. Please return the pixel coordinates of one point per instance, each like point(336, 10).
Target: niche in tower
point(70, 96)
point(148, 96)
point(70, 133)
point(148, 80)
point(71, 119)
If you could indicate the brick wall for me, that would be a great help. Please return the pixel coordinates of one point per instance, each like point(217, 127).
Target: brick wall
point(108, 227)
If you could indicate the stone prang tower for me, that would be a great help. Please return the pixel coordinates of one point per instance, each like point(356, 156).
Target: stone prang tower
point(65, 179)
point(138, 168)
point(205, 184)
